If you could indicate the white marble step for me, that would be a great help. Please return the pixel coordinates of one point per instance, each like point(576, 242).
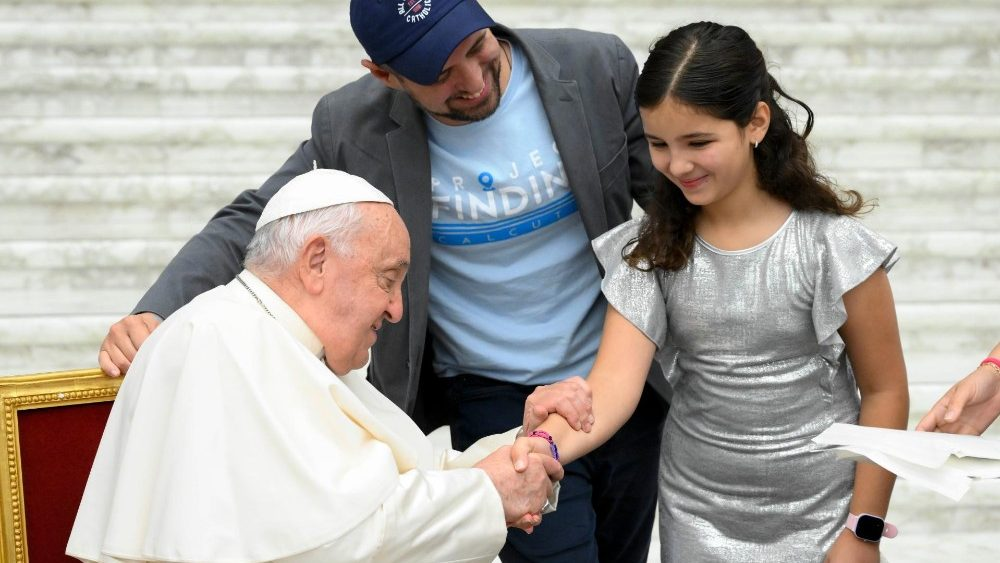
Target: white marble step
point(224, 10)
point(256, 145)
point(517, 12)
point(837, 127)
point(193, 91)
point(176, 206)
point(948, 189)
point(959, 266)
point(287, 79)
point(171, 42)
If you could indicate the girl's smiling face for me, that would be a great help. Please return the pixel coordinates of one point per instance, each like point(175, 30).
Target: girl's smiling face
point(707, 158)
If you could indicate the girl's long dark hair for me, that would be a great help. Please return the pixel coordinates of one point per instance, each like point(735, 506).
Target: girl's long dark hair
point(720, 71)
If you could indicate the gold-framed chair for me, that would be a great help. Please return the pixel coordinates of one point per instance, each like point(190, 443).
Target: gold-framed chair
point(52, 425)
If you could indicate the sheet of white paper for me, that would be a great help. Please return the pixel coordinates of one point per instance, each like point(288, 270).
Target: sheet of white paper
point(949, 482)
point(930, 449)
point(945, 463)
point(975, 467)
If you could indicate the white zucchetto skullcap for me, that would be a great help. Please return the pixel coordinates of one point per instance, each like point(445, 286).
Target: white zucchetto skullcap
point(317, 189)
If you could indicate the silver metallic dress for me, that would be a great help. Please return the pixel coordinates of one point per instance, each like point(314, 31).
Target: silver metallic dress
point(748, 342)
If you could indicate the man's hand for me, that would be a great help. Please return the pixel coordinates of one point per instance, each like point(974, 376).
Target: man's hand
point(570, 398)
point(523, 493)
point(969, 407)
point(123, 341)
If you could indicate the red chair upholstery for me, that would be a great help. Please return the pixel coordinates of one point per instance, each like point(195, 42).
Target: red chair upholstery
point(52, 426)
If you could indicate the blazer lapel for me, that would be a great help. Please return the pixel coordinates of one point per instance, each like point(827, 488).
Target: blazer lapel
point(409, 158)
point(567, 120)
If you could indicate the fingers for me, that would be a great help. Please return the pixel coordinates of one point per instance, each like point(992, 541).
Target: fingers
point(930, 420)
point(534, 414)
point(122, 342)
point(960, 395)
point(519, 454)
point(113, 363)
point(576, 404)
point(553, 468)
point(935, 416)
point(526, 522)
point(570, 398)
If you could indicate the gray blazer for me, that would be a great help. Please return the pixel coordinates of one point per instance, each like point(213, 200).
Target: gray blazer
point(586, 81)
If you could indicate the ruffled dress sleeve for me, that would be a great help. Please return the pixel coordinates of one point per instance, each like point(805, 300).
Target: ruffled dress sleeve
point(634, 293)
point(849, 253)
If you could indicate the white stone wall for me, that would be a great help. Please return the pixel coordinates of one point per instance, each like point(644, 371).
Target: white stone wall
point(124, 124)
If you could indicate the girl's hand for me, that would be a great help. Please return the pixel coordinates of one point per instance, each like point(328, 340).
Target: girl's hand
point(526, 445)
point(849, 549)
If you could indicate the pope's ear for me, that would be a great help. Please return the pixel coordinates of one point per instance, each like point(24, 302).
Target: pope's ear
point(315, 266)
point(382, 74)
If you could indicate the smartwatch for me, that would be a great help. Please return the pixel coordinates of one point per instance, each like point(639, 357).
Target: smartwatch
point(870, 528)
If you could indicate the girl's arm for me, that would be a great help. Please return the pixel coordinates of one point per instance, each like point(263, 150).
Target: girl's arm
point(616, 382)
point(872, 338)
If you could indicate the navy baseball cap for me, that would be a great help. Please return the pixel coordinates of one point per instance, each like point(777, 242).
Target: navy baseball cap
point(415, 37)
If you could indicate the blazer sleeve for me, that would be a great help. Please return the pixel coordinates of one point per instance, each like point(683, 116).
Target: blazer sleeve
point(451, 515)
point(215, 255)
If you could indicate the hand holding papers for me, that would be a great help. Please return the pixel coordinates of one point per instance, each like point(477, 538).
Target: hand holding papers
point(945, 463)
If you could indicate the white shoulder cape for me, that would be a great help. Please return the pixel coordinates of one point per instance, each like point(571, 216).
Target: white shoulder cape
point(229, 438)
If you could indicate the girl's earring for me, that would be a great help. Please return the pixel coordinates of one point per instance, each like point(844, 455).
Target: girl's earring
point(755, 143)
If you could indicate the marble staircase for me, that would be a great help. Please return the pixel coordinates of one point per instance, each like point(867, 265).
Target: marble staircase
point(124, 124)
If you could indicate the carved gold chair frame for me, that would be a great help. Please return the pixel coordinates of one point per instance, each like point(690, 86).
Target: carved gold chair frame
point(39, 391)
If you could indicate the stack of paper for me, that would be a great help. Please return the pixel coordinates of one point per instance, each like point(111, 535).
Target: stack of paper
point(946, 463)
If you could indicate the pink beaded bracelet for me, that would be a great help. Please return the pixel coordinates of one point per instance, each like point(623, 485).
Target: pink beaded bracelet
point(548, 438)
point(993, 363)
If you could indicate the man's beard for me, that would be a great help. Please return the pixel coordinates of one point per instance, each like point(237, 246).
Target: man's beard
point(481, 112)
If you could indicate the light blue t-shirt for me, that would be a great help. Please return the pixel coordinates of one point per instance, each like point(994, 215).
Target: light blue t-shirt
point(514, 289)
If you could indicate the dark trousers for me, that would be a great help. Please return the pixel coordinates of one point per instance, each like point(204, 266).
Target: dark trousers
point(607, 499)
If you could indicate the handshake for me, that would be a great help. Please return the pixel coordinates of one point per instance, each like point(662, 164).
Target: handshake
point(525, 489)
point(526, 474)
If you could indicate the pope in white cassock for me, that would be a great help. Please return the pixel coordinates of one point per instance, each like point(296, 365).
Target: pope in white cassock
point(231, 440)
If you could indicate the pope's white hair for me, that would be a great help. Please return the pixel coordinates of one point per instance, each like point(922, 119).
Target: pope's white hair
point(275, 247)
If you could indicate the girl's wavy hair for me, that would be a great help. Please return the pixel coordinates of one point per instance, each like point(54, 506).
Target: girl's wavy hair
point(719, 70)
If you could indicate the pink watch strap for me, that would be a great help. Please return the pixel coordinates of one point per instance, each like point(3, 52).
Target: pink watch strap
point(888, 531)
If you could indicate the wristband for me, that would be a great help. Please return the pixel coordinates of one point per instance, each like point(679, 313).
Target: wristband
point(993, 363)
point(870, 528)
point(548, 438)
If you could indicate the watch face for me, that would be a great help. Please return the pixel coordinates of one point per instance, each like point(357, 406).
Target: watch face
point(869, 528)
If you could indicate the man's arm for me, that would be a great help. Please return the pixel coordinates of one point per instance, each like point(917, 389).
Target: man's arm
point(213, 257)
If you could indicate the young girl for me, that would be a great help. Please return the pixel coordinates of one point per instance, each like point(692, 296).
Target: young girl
point(769, 308)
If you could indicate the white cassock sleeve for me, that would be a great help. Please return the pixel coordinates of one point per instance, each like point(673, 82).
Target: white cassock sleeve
point(450, 513)
point(410, 525)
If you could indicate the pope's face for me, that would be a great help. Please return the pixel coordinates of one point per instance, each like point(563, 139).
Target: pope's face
point(366, 289)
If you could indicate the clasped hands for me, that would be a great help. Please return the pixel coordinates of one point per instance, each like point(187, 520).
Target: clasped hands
point(571, 399)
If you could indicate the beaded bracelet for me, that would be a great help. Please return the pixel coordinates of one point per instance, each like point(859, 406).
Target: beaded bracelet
point(993, 363)
point(548, 438)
